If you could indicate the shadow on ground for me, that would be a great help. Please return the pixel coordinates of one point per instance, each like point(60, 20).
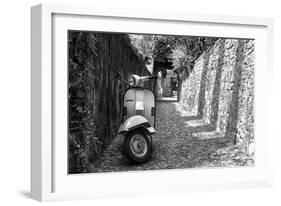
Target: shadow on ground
point(174, 147)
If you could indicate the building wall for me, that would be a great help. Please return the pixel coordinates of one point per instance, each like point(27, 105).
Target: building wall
point(227, 77)
point(245, 120)
point(190, 88)
point(95, 94)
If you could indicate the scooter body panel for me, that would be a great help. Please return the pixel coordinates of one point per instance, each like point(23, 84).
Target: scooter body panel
point(135, 122)
point(139, 101)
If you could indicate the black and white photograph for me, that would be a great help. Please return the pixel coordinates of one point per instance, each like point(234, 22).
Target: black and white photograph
point(141, 102)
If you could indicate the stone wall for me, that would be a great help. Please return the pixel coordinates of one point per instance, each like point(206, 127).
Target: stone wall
point(213, 69)
point(190, 88)
point(227, 83)
point(245, 120)
point(223, 86)
point(95, 94)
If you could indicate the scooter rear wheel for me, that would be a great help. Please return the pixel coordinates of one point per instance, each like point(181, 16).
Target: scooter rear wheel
point(137, 147)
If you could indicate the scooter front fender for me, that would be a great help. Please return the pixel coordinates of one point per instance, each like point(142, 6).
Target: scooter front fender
point(134, 122)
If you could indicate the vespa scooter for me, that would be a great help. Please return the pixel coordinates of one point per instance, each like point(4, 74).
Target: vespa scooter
point(138, 117)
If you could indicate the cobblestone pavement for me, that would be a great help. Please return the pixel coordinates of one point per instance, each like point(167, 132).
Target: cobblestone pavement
point(175, 147)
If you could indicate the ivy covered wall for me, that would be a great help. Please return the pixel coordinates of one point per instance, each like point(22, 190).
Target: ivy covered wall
point(95, 94)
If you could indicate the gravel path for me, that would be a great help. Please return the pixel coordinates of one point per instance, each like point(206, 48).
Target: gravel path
point(174, 147)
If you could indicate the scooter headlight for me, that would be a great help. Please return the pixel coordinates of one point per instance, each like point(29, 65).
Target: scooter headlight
point(134, 80)
point(131, 80)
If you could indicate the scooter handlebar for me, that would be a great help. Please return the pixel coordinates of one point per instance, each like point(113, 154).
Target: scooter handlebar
point(153, 77)
point(136, 79)
point(143, 78)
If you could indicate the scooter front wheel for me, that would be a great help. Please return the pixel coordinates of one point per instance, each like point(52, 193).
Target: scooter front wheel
point(137, 147)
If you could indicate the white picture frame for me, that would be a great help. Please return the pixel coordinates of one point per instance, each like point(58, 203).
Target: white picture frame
point(49, 180)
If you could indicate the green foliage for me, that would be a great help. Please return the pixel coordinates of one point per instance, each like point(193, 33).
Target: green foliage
point(162, 51)
point(94, 93)
point(82, 128)
point(143, 43)
point(182, 51)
